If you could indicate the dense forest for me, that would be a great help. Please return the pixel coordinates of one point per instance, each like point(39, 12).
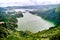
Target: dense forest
point(8, 25)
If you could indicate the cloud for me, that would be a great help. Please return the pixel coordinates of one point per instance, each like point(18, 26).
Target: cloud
point(45, 1)
point(27, 2)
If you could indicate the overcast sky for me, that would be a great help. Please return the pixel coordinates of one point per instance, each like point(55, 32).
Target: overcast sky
point(27, 2)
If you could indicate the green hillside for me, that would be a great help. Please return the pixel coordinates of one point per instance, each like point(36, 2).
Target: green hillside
point(8, 25)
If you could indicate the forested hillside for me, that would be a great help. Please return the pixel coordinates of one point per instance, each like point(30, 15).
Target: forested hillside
point(50, 15)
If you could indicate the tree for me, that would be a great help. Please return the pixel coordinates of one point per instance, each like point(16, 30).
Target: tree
point(55, 37)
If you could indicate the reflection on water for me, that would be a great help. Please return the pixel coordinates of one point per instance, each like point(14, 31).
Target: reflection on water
point(32, 23)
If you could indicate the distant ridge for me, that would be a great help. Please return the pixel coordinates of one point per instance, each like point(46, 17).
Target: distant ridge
point(2, 9)
point(33, 7)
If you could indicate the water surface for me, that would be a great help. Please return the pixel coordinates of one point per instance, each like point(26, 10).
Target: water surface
point(32, 23)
